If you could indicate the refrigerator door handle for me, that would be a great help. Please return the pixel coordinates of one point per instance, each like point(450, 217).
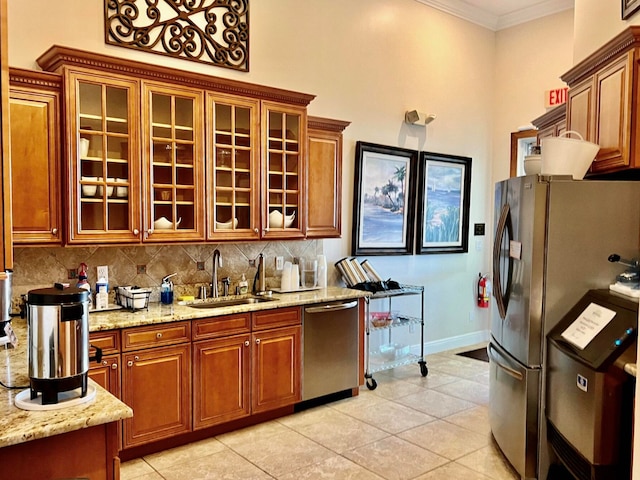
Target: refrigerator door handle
point(501, 291)
point(505, 368)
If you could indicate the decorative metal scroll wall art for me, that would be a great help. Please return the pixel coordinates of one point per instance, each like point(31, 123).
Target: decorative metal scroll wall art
point(206, 31)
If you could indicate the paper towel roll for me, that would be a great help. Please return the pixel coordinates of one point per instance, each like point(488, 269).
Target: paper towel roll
point(285, 284)
point(295, 278)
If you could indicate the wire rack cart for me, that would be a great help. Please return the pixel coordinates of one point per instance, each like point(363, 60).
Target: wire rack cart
point(390, 354)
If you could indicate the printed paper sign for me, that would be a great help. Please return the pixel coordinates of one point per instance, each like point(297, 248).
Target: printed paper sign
point(590, 322)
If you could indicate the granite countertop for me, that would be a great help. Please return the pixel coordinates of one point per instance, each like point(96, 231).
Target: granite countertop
point(19, 426)
point(158, 313)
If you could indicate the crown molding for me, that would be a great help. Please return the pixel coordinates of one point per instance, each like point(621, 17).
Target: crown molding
point(482, 17)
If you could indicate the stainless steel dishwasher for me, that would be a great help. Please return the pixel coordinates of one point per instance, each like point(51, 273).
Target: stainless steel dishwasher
point(330, 351)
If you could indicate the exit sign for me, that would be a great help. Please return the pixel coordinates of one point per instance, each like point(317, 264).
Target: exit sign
point(555, 97)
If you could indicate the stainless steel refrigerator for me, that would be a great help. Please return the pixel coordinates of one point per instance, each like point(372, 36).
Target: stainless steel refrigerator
point(552, 238)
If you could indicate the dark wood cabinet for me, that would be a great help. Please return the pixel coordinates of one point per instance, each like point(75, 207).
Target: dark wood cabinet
point(324, 177)
point(36, 170)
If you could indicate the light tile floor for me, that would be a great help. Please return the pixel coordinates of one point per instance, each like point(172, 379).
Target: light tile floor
point(409, 427)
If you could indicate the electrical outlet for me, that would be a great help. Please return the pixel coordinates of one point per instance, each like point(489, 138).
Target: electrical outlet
point(279, 263)
point(102, 272)
point(200, 266)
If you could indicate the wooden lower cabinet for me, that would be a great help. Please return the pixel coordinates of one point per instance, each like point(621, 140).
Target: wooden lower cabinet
point(239, 375)
point(276, 365)
point(221, 380)
point(86, 453)
point(156, 384)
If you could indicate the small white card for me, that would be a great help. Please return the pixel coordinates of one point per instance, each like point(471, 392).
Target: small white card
point(515, 249)
point(590, 322)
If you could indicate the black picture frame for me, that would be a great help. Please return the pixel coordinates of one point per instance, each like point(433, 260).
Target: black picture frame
point(629, 7)
point(384, 200)
point(444, 191)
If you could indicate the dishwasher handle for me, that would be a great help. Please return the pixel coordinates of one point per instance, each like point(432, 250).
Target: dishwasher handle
point(331, 307)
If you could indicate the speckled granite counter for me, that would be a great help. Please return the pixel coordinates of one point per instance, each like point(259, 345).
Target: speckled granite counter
point(19, 426)
point(158, 313)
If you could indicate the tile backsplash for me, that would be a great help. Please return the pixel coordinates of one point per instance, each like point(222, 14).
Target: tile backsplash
point(145, 266)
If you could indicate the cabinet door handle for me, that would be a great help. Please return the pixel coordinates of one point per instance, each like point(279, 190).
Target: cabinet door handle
point(158, 335)
point(257, 341)
point(136, 231)
point(114, 366)
point(129, 363)
point(54, 231)
point(105, 363)
point(136, 358)
point(246, 343)
point(255, 230)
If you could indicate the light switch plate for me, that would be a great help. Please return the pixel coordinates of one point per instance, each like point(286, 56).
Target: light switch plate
point(279, 263)
point(102, 272)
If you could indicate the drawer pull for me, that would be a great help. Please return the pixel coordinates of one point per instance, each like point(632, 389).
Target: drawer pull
point(257, 341)
point(246, 343)
point(130, 363)
point(136, 358)
point(105, 363)
point(114, 366)
point(159, 335)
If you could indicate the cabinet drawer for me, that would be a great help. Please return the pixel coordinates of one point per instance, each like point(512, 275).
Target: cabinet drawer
point(276, 318)
point(221, 326)
point(156, 335)
point(109, 341)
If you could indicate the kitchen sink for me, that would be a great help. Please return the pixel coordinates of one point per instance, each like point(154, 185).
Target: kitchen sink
point(232, 302)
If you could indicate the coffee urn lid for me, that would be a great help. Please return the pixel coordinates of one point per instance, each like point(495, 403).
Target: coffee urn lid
point(56, 296)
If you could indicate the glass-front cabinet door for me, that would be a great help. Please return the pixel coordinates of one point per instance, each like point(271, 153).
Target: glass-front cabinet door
point(173, 176)
point(283, 170)
point(104, 174)
point(233, 179)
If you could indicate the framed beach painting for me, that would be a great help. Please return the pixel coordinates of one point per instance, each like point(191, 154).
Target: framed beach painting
point(384, 206)
point(444, 188)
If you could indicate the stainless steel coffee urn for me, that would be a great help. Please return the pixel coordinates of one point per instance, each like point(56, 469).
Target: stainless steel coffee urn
point(58, 341)
point(5, 300)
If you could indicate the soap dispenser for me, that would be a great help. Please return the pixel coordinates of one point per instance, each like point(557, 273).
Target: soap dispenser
point(166, 290)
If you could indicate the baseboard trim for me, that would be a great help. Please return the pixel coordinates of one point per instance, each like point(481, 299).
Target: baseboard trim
point(459, 341)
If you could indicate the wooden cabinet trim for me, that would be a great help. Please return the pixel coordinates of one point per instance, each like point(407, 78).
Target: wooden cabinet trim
point(108, 341)
point(155, 335)
point(276, 318)
point(57, 56)
point(226, 325)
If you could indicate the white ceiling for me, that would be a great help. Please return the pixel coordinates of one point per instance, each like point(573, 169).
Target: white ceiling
point(499, 14)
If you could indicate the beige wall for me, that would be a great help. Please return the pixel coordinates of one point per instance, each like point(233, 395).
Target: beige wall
point(529, 60)
point(368, 61)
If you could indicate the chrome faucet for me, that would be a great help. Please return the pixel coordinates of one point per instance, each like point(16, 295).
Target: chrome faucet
point(217, 262)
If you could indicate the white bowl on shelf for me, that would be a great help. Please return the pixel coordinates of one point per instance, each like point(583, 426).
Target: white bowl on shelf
point(227, 225)
point(110, 188)
point(121, 190)
point(84, 147)
point(89, 190)
point(275, 219)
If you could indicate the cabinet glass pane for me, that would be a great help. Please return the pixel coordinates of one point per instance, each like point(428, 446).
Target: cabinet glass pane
point(284, 168)
point(103, 157)
point(173, 156)
point(233, 170)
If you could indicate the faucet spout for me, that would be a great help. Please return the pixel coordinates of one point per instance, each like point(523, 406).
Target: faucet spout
point(217, 262)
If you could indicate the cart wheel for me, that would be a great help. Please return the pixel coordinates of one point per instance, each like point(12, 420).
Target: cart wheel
point(424, 371)
point(371, 383)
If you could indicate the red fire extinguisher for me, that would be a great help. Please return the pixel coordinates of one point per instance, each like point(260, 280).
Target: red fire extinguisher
point(484, 290)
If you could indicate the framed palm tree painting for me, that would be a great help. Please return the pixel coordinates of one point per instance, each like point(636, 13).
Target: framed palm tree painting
point(444, 187)
point(384, 206)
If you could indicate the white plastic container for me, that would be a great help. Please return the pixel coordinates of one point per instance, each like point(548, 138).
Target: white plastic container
point(567, 156)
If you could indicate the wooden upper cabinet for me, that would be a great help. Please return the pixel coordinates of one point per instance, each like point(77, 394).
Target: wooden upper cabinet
point(324, 177)
point(103, 174)
point(173, 173)
point(601, 103)
point(284, 162)
point(233, 167)
point(552, 123)
point(35, 157)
